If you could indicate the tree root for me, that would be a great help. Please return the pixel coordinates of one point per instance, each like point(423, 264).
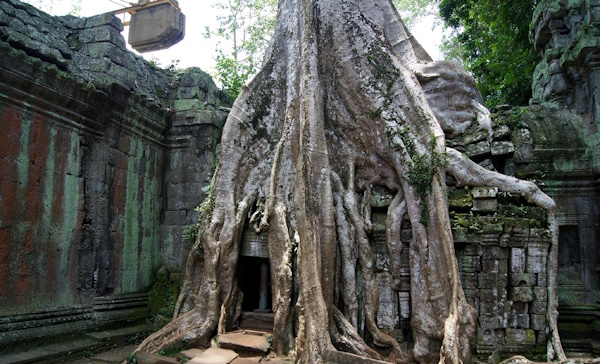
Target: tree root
point(523, 360)
point(469, 173)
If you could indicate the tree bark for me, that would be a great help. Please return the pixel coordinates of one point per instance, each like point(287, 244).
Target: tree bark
point(341, 104)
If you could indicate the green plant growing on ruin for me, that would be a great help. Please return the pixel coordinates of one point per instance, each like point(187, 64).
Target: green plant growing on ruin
point(299, 159)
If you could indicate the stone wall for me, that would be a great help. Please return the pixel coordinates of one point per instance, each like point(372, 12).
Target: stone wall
point(103, 159)
point(566, 35)
point(560, 140)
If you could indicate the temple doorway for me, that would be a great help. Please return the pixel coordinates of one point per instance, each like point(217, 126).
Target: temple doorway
point(254, 277)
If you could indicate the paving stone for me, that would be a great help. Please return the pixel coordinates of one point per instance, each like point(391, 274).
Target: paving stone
point(251, 360)
point(115, 356)
point(192, 353)
point(246, 341)
point(148, 358)
point(215, 356)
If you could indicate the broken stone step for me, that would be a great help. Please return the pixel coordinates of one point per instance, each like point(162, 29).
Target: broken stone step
point(257, 320)
point(246, 341)
point(122, 335)
point(148, 358)
point(215, 356)
point(47, 353)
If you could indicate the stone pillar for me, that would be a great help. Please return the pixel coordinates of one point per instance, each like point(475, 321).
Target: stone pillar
point(264, 282)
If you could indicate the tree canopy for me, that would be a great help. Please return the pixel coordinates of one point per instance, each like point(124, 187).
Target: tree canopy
point(244, 32)
point(493, 40)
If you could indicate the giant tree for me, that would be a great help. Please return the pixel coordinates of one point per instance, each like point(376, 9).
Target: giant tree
point(346, 100)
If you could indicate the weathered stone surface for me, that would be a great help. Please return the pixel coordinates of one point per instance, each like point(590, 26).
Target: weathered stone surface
point(478, 149)
point(502, 148)
point(156, 27)
point(484, 192)
point(485, 205)
point(148, 358)
point(192, 353)
point(85, 135)
point(247, 360)
point(387, 316)
point(245, 341)
point(520, 336)
point(215, 356)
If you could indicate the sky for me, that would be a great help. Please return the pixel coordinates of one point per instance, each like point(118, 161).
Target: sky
point(195, 50)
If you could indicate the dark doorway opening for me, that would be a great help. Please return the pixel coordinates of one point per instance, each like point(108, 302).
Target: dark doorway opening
point(569, 255)
point(254, 277)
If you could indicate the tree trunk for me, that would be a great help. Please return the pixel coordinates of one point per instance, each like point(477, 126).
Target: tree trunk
point(339, 106)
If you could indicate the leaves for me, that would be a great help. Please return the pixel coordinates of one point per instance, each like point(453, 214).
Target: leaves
point(245, 29)
point(412, 10)
point(493, 40)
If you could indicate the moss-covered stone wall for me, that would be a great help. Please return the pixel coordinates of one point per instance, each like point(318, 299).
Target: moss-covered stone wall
point(103, 157)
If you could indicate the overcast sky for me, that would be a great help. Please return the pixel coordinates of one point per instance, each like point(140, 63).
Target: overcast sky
point(194, 49)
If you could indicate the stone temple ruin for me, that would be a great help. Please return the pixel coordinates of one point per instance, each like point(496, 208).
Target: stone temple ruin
point(104, 158)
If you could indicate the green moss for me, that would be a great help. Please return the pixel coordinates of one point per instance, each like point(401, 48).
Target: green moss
point(421, 170)
point(163, 296)
point(382, 67)
point(23, 158)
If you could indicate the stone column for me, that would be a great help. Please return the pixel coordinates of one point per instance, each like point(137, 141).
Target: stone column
point(264, 282)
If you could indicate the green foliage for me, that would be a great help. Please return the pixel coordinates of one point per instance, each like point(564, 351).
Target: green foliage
point(163, 297)
point(244, 34)
point(205, 210)
point(421, 171)
point(412, 10)
point(493, 40)
point(171, 351)
point(131, 359)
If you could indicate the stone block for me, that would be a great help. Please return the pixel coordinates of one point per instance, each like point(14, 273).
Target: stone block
point(521, 279)
point(489, 227)
point(147, 358)
point(489, 294)
point(192, 353)
point(518, 260)
point(519, 336)
point(188, 104)
point(387, 315)
point(156, 28)
point(245, 341)
point(503, 266)
point(469, 280)
point(488, 322)
point(488, 337)
point(536, 264)
point(215, 356)
point(541, 279)
point(518, 320)
point(487, 280)
point(501, 131)
point(485, 205)
point(502, 282)
point(538, 307)
point(484, 192)
point(502, 148)
point(490, 265)
point(520, 294)
point(175, 218)
point(404, 304)
point(494, 252)
point(540, 294)
point(538, 321)
point(478, 149)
